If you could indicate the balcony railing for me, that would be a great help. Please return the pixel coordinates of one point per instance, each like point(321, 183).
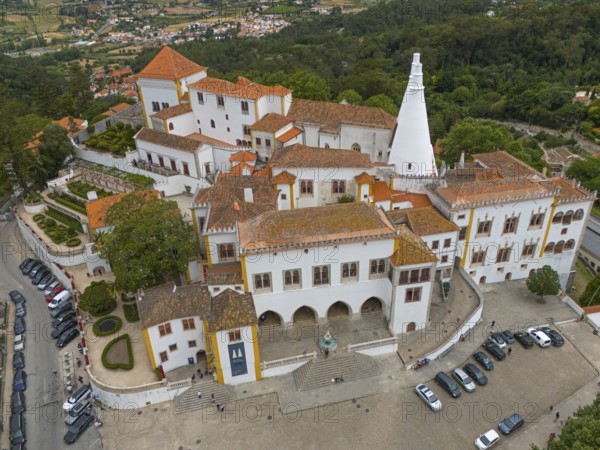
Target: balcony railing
point(156, 168)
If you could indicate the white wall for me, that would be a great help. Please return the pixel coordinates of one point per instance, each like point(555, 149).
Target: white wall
point(372, 141)
point(215, 239)
point(161, 91)
point(183, 124)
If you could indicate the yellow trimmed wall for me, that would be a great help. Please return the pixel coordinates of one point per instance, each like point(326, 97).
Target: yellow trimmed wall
point(257, 368)
point(215, 349)
point(466, 248)
point(149, 348)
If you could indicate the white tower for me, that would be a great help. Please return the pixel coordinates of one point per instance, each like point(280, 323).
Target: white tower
point(412, 152)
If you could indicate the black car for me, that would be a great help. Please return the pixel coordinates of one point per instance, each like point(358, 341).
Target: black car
point(30, 266)
point(45, 281)
point(42, 273)
point(555, 337)
point(77, 429)
point(494, 350)
point(16, 297)
point(508, 336)
point(20, 381)
point(63, 327)
point(17, 402)
point(62, 309)
point(66, 315)
point(18, 360)
point(17, 429)
point(25, 262)
point(36, 269)
point(524, 339)
point(484, 360)
point(67, 337)
point(473, 371)
point(19, 325)
point(510, 424)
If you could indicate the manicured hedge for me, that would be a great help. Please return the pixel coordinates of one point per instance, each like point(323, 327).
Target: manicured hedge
point(98, 325)
point(120, 365)
point(38, 217)
point(67, 220)
point(68, 203)
point(131, 312)
point(73, 242)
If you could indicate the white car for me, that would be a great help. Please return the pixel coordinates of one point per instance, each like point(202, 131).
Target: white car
point(539, 337)
point(428, 397)
point(486, 440)
point(19, 342)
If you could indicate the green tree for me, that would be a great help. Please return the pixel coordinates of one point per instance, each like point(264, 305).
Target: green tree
point(351, 96)
point(384, 102)
point(53, 150)
point(544, 281)
point(588, 172)
point(150, 241)
point(591, 294)
point(97, 299)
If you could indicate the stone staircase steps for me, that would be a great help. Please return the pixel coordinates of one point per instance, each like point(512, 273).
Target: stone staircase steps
point(189, 401)
point(319, 373)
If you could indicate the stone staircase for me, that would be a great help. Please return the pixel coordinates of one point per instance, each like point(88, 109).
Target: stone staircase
point(436, 294)
point(318, 373)
point(189, 401)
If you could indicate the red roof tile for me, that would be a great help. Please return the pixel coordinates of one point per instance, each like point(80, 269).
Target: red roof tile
point(169, 65)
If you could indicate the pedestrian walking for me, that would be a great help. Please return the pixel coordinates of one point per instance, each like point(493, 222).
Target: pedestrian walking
point(551, 408)
point(54, 372)
point(200, 374)
point(493, 323)
point(222, 408)
point(199, 395)
point(80, 379)
point(557, 416)
point(509, 350)
point(70, 389)
point(193, 377)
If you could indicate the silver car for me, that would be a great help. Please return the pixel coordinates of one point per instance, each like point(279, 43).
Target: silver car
point(428, 397)
point(464, 380)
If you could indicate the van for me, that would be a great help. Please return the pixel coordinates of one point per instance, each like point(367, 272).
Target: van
point(17, 429)
point(539, 337)
point(81, 407)
point(60, 299)
point(447, 384)
point(80, 394)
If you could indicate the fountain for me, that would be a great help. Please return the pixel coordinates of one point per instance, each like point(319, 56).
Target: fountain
point(328, 342)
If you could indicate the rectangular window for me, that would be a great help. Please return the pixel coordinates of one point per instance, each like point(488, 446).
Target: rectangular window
point(246, 130)
point(291, 279)
point(461, 217)
point(201, 98)
point(377, 268)
point(268, 143)
point(173, 165)
point(462, 234)
point(404, 277)
point(262, 282)
point(163, 357)
point(445, 258)
point(536, 221)
point(226, 252)
point(245, 109)
point(161, 161)
point(306, 187)
point(235, 336)
point(173, 347)
point(258, 141)
point(414, 276)
point(528, 250)
point(510, 225)
point(283, 196)
point(350, 271)
point(220, 101)
point(149, 158)
point(425, 274)
point(435, 245)
point(192, 344)
point(320, 275)
point(484, 228)
point(186, 169)
point(164, 329)
point(478, 257)
point(189, 324)
point(413, 295)
point(338, 187)
point(447, 243)
point(503, 255)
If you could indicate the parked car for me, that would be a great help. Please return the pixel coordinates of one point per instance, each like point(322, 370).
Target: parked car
point(57, 290)
point(484, 360)
point(494, 350)
point(17, 429)
point(51, 286)
point(63, 327)
point(19, 325)
point(40, 275)
point(508, 336)
point(30, 266)
point(81, 407)
point(46, 281)
point(78, 427)
point(464, 380)
point(25, 262)
point(477, 375)
point(19, 342)
point(524, 339)
point(18, 360)
point(67, 337)
point(61, 298)
point(20, 381)
point(447, 384)
point(511, 423)
point(20, 310)
point(497, 339)
point(555, 336)
point(36, 269)
point(487, 440)
point(80, 394)
point(62, 309)
point(428, 397)
point(16, 297)
point(17, 402)
point(539, 337)
point(63, 317)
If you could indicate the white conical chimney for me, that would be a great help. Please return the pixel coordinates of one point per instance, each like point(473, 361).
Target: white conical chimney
point(461, 163)
point(412, 152)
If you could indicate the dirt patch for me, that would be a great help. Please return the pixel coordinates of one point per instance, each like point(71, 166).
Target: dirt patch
point(118, 352)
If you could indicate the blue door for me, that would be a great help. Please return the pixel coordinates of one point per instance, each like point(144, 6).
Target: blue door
point(237, 359)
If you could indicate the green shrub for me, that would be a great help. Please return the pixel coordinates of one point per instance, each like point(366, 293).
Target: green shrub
point(72, 242)
point(97, 300)
point(67, 220)
point(98, 331)
point(50, 223)
point(71, 232)
point(131, 312)
point(119, 365)
point(346, 199)
point(158, 374)
point(34, 198)
point(38, 218)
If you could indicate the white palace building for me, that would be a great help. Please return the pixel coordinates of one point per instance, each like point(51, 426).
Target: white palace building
point(299, 205)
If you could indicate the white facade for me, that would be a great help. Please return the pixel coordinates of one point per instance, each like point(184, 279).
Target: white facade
point(229, 350)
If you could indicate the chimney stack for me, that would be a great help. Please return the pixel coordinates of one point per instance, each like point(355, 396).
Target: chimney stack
point(544, 171)
point(248, 195)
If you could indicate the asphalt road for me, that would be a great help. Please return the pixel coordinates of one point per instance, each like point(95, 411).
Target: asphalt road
point(45, 392)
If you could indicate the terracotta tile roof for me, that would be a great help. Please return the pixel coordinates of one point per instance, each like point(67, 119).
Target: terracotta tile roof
point(160, 304)
point(364, 178)
point(412, 250)
point(462, 195)
point(223, 274)
point(230, 310)
point(299, 155)
point(33, 144)
point(226, 191)
point(289, 135)
point(120, 107)
point(284, 178)
point(208, 140)
point(264, 172)
point(416, 200)
point(321, 225)
point(169, 65)
point(422, 221)
point(591, 309)
point(243, 156)
point(507, 165)
point(566, 190)
point(173, 111)
point(238, 170)
point(381, 191)
point(69, 121)
point(167, 140)
point(243, 88)
point(96, 210)
point(332, 115)
point(271, 123)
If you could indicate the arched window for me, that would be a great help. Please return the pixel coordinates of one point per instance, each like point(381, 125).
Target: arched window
point(238, 142)
point(549, 247)
point(356, 147)
point(171, 126)
point(212, 124)
point(262, 281)
point(557, 217)
point(559, 247)
point(570, 244)
point(567, 218)
point(578, 214)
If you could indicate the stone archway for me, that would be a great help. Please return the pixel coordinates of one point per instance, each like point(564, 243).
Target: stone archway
point(304, 314)
point(508, 276)
point(338, 309)
point(482, 280)
point(270, 318)
point(99, 271)
point(372, 305)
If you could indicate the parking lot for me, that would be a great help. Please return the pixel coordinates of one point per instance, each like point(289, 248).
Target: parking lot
point(527, 382)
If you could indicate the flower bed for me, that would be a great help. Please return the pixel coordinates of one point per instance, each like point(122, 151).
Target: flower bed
point(107, 325)
point(67, 220)
point(81, 189)
point(58, 233)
